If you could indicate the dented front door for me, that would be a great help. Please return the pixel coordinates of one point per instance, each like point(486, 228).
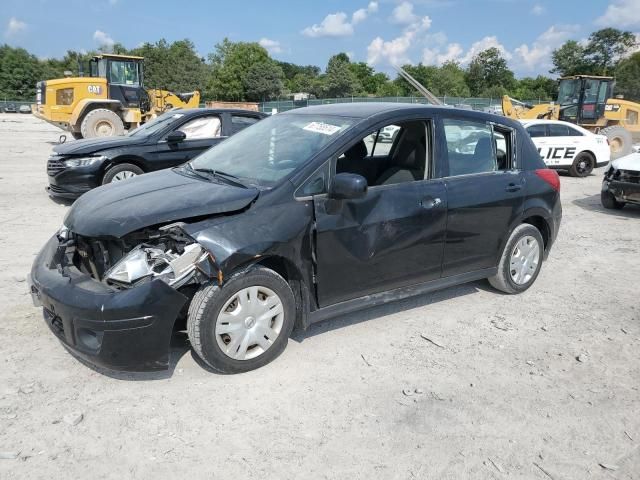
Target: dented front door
point(392, 237)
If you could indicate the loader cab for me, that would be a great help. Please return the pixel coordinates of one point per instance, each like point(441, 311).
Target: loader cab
point(582, 99)
point(124, 75)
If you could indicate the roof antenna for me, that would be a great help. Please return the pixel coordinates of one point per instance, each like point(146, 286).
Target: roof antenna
point(433, 100)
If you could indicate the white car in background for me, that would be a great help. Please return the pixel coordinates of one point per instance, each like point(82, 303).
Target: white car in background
point(565, 146)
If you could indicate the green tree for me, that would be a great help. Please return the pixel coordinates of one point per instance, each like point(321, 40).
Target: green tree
point(263, 81)
point(450, 80)
point(339, 80)
point(628, 77)
point(230, 63)
point(19, 73)
point(570, 59)
point(488, 73)
point(540, 87)
point(367, 77)
point(606, 47)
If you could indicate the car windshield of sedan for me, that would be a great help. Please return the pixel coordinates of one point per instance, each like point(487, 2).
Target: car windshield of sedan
point(271, 149)
point(156, 124)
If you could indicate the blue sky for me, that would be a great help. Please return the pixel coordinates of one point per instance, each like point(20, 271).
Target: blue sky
point(379, 32)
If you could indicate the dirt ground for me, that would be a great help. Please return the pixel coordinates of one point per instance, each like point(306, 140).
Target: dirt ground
point(544, 385)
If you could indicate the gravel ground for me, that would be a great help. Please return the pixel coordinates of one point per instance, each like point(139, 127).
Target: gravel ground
point(540, 385)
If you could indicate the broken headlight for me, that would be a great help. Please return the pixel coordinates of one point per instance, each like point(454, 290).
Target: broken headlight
point(148, 262)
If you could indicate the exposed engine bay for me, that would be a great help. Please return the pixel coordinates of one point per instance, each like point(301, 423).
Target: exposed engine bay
point(166, 253)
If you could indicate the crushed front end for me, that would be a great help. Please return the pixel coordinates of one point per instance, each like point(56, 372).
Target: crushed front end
point(114, 301)
point(623, 184)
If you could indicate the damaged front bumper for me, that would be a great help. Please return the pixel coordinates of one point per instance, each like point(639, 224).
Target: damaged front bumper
point(121, 329)
point(624, 185)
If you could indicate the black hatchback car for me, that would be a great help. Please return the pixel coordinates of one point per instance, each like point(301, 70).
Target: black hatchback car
point(170, 140)
point(301, 217)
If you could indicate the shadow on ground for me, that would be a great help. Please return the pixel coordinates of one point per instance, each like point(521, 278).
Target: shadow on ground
point(592, 203)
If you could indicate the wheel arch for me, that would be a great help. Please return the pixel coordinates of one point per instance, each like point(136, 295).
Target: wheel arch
point(539, 218)
point(132, 159)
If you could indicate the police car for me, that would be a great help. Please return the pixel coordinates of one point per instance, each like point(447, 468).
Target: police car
point(565, 146)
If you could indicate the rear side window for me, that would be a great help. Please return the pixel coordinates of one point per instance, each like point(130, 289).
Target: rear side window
point(475, 147)
point(240, 122)
point(537, 131)
point(574, 133)
point(557, 130)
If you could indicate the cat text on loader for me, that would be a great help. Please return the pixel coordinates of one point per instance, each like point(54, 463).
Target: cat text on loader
point(108, 101)
point(587, 101)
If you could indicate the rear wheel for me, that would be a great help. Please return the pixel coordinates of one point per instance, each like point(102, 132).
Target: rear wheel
point(521, 260)
point(582, 166)
point(620, 140)
point(244, 324)
point(122, 171)
point(609, 201)
point(101, 123)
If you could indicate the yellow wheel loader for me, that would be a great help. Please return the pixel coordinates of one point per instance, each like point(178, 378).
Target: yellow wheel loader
point(111, 99)
point(587, 101)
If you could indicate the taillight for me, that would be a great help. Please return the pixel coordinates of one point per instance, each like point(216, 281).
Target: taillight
point(550, 176)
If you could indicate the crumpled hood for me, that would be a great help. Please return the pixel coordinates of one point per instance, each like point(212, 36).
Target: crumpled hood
point(92, 145)
point(166, 196)
point(628, 162)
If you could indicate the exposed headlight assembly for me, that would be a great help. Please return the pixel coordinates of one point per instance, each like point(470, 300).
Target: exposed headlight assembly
point(151, 262)
point(83, 161)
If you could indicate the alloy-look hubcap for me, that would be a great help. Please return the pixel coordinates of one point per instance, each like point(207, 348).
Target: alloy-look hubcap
point(249, 323)
point(525, 258)
point(123, 175)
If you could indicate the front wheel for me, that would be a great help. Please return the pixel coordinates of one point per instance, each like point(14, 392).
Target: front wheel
point(244, 324)
point(609, 201)
point(521, 260)
point(122, 171)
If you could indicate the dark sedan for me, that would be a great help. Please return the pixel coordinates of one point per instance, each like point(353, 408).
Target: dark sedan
point(170, 140)
point(296, 219)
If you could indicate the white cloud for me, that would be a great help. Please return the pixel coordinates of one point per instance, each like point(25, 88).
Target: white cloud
point(538, 55)
point(103, 39)
point(338, 24)
point(621, 14)
point(14, 27)
point(538, 9)
point(272, 46)
point(403, 14)
point(395, 51)
point(482, 45)
point(362, 14)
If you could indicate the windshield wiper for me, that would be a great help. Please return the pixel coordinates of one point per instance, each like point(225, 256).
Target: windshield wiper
point(228, 177)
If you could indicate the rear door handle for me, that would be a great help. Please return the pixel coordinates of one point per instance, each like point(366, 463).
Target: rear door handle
point(513, 187)
point(429, 203)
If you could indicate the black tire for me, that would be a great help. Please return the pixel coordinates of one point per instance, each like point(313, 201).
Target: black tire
point(210, 299)
point(101, 123)
point(620, 140)
point(609, 201)
point(502, 280)
point(582, 165)
point(76, 135)
point(110, 174)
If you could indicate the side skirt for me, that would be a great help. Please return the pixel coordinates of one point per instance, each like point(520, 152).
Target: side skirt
point(375, 299)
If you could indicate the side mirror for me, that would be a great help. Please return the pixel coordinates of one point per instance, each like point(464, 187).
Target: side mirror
point(176, 137)
point(348, 186)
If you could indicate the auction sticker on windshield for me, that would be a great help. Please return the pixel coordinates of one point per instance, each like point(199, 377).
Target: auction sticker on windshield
point(324, 128)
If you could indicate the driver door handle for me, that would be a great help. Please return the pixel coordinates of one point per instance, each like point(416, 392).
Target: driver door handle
point(429, 203)
point(513, 187)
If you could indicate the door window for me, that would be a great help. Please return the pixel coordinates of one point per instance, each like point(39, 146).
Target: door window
point(574, 133)
point(241, 122)
point(123, 73)
point(404, 161)
point(558, 130)
point(475, 147)
point(536, 131)
point(202, 127)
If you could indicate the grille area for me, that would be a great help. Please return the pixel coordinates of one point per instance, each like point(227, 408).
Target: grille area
point(54, 166)
point(628, 176)
point(55, 322)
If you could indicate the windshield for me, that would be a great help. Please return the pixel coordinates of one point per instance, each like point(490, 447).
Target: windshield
point(569, 92)
point(156, 124)
point(123, 73)
point(271, 149)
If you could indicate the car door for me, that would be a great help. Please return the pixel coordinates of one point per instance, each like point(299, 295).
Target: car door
point(539, 134)
point(484, 192)
point(202, 132)
point(562, 145)
point(391, 237)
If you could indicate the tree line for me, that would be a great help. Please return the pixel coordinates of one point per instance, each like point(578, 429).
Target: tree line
point(244, 71)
